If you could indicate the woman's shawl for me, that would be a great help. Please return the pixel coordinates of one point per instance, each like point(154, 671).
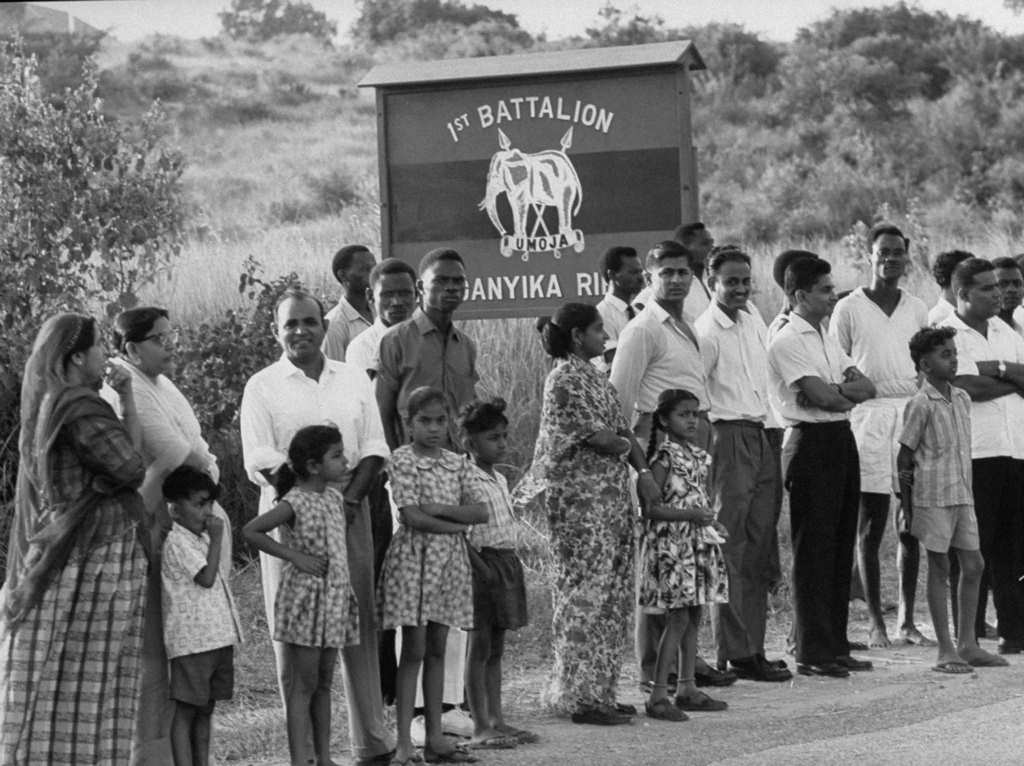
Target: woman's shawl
point(45, 530)
point(578, 402)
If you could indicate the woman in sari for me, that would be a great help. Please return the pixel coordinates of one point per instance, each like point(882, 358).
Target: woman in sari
point(580, 461)
point(71, 607)
point(171, 437)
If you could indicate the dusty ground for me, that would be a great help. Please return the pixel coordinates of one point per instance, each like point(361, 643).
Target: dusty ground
point(902, 712)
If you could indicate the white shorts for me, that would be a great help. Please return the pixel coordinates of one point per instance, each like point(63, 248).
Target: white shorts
point(876, 426)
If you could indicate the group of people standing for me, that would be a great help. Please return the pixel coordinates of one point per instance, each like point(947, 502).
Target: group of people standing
point(673, 419)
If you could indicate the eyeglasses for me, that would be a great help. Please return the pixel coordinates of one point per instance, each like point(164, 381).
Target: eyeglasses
point(165, 339)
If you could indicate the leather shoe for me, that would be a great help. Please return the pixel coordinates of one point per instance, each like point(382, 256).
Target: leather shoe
point(713, 677)
point(852, 663)
point(780, 664)
point(831, 669)
point(762, 670)
point(371, 760)
point(1006, 646)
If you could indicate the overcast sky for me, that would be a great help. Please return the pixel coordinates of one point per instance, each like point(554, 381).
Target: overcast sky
point(775, 19)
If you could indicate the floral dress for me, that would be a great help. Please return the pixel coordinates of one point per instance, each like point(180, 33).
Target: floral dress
point(426, 576)
point(681, 562)
point(591, 523)
point(311, 610)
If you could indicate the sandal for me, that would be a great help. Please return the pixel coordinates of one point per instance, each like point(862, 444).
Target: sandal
point(664, 710)
point(503, 742)
point(700, 703)
point(524, 736)
point(455, 755)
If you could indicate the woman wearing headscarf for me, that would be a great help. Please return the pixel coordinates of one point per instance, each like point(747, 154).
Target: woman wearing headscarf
point(71, 607)
point(581, 463)
point(171, 437)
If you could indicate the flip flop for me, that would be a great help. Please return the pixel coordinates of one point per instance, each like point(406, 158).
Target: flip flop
point(506, 742)
point(452, 756)
point(857, 646)
point(953, 667)
point(700, 703)
point(524, 736)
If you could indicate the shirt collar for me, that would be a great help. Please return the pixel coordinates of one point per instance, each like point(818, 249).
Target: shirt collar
point(349, 312)
point(425, 326)
point(801, 325)
point(288, 370)
point(954, 321)
point(721, 318)
point(448, 460)
point(613, 300)
point(933, 393)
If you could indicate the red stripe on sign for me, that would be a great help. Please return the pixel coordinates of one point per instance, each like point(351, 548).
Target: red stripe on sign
point(613, 192)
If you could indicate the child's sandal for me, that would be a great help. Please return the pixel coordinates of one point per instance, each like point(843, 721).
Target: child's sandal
point(664, 710)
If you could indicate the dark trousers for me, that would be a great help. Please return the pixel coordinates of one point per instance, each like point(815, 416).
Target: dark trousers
point(823, 479)
point(999, 506)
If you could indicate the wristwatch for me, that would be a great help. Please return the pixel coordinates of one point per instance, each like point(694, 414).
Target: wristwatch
point(1002, 368)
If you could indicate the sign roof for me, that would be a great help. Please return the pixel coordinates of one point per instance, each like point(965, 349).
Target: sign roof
point(677, 52)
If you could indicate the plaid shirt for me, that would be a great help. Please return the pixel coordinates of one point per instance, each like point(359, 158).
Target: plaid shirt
point(939, 433)
point(500, 529)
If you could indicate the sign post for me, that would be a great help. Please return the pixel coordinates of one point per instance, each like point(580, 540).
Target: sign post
point(530, 166)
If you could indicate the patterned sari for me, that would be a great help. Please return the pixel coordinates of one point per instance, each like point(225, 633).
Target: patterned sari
point(71, 607)
point(591, 523)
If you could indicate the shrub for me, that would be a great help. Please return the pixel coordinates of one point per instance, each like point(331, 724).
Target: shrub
point(267, 19)
point(90, 211)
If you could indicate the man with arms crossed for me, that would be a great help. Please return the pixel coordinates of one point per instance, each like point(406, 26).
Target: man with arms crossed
point(874, 326)
point(305, 388)
point(744, 469)
point(814, 385)
point(990, 367)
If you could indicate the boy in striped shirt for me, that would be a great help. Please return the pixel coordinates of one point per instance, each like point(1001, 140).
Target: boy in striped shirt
point(934, 465)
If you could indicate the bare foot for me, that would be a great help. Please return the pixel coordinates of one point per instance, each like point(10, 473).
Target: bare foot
point(913, 636)
point(878, 638)
point(979, 658)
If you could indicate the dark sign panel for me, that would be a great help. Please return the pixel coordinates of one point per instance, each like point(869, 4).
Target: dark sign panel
point(531, 166)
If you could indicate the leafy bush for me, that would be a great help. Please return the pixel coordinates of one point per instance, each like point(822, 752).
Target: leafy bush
point(90, 211)
point(385, 21)
point(267, 19)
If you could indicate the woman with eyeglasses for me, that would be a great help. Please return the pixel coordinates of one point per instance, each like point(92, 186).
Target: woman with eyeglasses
point(145, 341)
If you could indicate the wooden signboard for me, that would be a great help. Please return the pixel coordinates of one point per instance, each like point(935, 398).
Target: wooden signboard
point(531, 166)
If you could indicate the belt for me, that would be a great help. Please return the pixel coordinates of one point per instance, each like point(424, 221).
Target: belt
point(740, 422)
point(825, 425)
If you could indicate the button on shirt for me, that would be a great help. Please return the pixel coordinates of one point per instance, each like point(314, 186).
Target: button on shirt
point(800, 351)
point(735, 363)
point(196, 619)
point(997, 426)
point(615, 313)
point(656, 352)
point(877, 342)
point(280, 399)
point(939, 433)
point(415, 353)
point(344, 324)
point(364, 350)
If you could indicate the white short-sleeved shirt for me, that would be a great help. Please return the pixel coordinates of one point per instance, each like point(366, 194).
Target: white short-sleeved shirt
point(799, 351)
point(997, 426)
point(877, 342)
point(697, 300)
point(344, 324)
point(614, 314)
point(364, 350)
point(938, 313)
point(196, 619)
point(280, 399)
point(735, 363)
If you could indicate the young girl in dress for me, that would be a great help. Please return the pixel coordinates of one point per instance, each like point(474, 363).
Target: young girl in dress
point(426, 585)
point(681, 563)
point(315, 611)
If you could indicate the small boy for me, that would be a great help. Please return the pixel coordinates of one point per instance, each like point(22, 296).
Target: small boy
point(201, 623)
point(499, 587)
point(934, 465)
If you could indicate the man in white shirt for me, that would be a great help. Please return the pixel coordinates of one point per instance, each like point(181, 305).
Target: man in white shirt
point(745, 475)
point(351, 267)
point(622, 269)
point(874, 326)
point(657, 351)
point(393, 292)
point(305, 388)
point(813, 386)
point(942, 271)
point(696, 238)
point(991, 370)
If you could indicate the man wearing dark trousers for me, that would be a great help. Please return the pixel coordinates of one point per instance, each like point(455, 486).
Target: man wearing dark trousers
point(813, 386)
